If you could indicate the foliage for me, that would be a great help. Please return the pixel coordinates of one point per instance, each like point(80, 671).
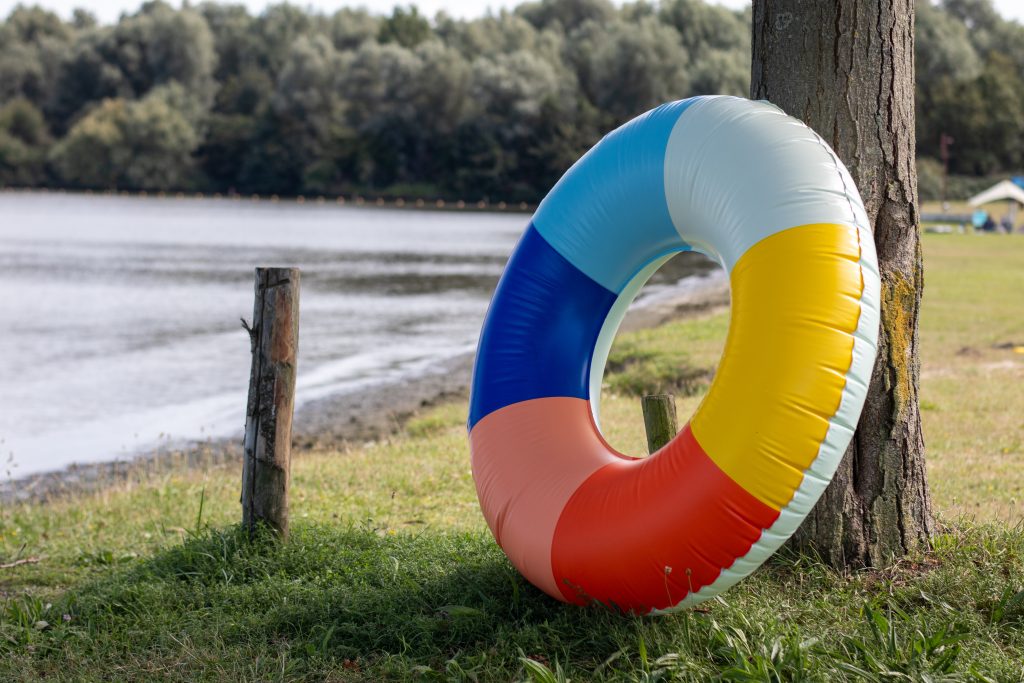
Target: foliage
point(24, 140)
point(970, 65)
point(291, 101)
point(143, 144)
point(405, 27)
point(625, 68)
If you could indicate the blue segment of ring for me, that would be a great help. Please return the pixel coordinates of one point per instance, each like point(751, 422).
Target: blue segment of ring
point(539, 334)
point(608, 214)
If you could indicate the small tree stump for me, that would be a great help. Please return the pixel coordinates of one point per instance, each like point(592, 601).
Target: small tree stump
point(274, 334)
point(659, 420)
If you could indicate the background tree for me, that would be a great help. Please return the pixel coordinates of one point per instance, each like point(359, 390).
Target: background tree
point(232, 125)
point(160, 45)
point(626, 68)
point(277, 29)
point(235, 41)
point(138, 145)
point(983, 115)
point(503, 33)
point(405, 27)
point(33, 42)
point(410, 105)
point(24, 144)
point(847, 69)
point(565, 15)
point(307, 105)
point(350, 28)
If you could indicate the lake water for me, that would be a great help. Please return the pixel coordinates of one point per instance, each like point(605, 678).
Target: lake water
point(121, 314)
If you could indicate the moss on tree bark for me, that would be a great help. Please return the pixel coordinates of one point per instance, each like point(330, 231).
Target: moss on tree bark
point(847, 69)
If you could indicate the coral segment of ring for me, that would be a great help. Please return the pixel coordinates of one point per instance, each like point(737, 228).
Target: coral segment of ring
point(763, 195)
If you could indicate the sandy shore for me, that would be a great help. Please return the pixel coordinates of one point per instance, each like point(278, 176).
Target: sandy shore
point(332, 421)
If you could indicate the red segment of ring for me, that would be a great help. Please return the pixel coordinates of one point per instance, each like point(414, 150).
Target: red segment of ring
point(655, 529)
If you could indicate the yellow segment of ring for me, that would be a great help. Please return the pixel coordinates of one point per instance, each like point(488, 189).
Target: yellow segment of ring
point(795, 305)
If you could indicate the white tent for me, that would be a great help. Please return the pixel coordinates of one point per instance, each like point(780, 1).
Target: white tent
point(1006, 190)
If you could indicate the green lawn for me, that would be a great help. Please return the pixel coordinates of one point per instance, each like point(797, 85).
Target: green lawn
point(972, 374)
point(391, 574)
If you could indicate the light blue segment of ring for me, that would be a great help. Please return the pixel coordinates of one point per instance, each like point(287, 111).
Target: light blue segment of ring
point(608, 215)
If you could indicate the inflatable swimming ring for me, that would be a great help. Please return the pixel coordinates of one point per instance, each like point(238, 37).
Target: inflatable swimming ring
point(765, 196)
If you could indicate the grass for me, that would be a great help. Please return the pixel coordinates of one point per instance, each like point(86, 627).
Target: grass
point(972, 374)
point(653, 360)
point(392, 575)
point(356, 602)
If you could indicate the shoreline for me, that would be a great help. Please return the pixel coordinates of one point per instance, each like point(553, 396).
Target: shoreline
point(372, 200)
point(334, 421)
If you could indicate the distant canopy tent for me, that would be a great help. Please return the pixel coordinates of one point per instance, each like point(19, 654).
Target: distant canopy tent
point(1007, 190)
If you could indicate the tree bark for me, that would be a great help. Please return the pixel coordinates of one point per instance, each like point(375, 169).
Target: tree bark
point(266, 468)
point(846, 68)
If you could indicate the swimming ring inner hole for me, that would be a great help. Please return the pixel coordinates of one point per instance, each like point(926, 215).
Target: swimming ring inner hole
point(762, 194)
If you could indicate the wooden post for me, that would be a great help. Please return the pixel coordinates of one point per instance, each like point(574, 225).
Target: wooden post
point(266, 469)
point(659, 420)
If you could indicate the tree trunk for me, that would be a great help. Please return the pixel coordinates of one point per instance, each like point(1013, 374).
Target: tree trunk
point(846, 68)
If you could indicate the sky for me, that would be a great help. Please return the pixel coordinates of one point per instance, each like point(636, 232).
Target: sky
point(109, 10)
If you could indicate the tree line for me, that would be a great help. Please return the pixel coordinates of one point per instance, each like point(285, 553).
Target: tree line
point(211, 98)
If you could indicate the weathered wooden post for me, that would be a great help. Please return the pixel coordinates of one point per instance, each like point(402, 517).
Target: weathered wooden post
point(659, 420)
point(266, 469)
